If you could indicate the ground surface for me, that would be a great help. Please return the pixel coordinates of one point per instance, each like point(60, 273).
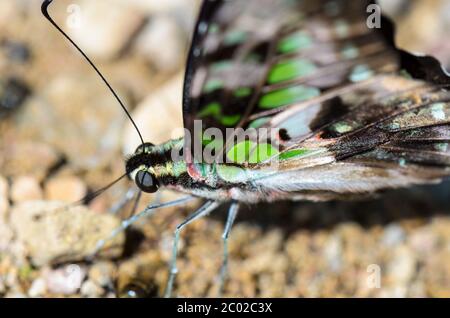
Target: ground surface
point(65, 137)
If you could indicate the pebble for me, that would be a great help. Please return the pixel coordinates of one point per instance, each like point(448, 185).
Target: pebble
point(158, 7)
point(25, 188)
point(392, 7)
point(91, 289)
point(402, 267)
point(423, 241)
point(102, 273)
point(52, 234)
point(13, 93)
point(66, 280)
point(393, 235)
point(4, 194)
point(2, 285)
point(6, 236)
point(85, 127)
point(103, 28)
point(333, 253)
point(161, 42)
point(29, 158)
point(159, 116)
point(65, 188)
point(38, 288)
point(16, 51)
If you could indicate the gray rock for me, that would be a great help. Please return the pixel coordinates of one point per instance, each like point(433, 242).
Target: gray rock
point(103, 28)
point(53, 233)
point(393, 235)
point(38, 288)
point(4, 194)
point(25, 156)
point(85, 127)
point(159, 116)
point(65, 188)
point(66, 280)
point(6, 236)
point(162, 43)
point(102, 273)
point(402, 267)
point(91, 289)
point(332, 252)
point(26, 188)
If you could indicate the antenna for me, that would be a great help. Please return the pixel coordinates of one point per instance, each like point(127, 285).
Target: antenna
point(44, 10)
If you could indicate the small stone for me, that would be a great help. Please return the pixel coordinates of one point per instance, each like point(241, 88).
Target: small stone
point(66, 280)
point(333, 253)
point(74, 125)
point(13, 93)
point(167, 57)
point(91, 289)
point(29, 158)
point(402, 266)
point(393, 7)
point(102, 273)
point(25, 188)
point(423, 241)
point(4, 194)
point(15, 294)
point(65, 188)
point(159, 116)
point(6, 236)
point(155, 7)
point(2, 286)
point(103, 28)
point(52, 232)
point(38, 288)
point(393, 235)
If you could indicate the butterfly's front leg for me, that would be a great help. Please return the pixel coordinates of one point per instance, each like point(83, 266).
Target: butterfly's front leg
point(149, 210)
point(201, 212)
point(232, 213)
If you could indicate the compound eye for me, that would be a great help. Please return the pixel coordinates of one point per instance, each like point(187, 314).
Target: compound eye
point(141, 147)
point(146, 181)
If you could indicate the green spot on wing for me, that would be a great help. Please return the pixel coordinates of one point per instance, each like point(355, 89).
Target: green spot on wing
point(293, 153)
point(231, 173)
point(292, 69)
point(230, 120)
point(251, 152)
point(259, 122)
point(239, 153)
point(342, 127)
point(234, 37)
point(288, 96)
point(342, 28)
point(242, 92)
point(212, 85)
point(350, 51)
point(213, 28)
point(294, 42)
point(214, 110)
point(360, 73)
point(221, 65)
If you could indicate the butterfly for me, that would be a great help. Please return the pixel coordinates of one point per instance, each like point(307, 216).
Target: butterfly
point(348, 113)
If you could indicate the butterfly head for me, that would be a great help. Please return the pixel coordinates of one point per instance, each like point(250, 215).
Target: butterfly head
point(140, 169)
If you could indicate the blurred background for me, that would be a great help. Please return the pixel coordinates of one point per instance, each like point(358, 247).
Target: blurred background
point(62, 136)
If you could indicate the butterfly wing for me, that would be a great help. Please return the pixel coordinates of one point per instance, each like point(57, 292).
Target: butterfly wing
point(345, 101)
point(251, 59)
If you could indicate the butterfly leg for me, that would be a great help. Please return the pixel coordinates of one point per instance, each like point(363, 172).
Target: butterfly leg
point(149, 210)
point(122, 202)
point(201, 212)
point(232, 212)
